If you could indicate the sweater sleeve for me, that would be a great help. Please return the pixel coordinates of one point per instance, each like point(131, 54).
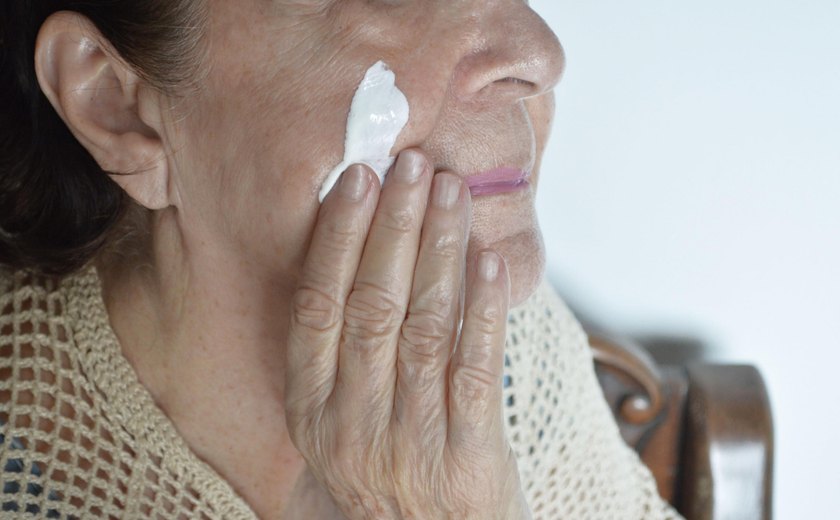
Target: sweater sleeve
point(572, 459)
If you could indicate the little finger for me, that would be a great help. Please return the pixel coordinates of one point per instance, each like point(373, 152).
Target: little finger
point(476, 370)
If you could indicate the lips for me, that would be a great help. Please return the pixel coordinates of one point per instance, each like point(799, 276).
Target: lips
point(498, 180)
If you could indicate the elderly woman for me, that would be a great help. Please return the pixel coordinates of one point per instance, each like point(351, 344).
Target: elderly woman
point(196, 321)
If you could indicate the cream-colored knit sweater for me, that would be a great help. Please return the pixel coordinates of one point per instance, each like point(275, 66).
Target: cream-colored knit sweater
point(81, 438)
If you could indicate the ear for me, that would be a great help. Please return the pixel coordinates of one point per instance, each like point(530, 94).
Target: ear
point(107, 107)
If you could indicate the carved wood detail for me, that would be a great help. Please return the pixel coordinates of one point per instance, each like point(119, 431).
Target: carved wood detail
point(705, 431)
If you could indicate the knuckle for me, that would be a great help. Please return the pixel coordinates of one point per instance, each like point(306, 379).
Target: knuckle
point(315, 309)
point(342, 234)
point(399, 219)
point(474, 384)
point(427, 328)
point(448, 246)
point(422, 354)
point(438, 301)
point(475, 356)
point(372, 312)
point(485, 317)
point(427, 333)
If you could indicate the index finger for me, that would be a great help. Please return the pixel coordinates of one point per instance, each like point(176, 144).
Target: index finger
point(317, 310)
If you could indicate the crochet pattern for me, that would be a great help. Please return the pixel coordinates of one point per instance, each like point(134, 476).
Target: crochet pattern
point(80, 437)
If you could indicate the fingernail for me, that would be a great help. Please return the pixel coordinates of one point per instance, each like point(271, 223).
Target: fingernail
point(410, 166)
point(488, 265)
point(354, 183)
point(446, 190)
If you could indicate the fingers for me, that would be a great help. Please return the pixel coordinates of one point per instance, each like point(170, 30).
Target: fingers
point(476, 369)
point(326, 280)
point(431, 325)
point(370, 345)
point(352, 308)
point(378, 301)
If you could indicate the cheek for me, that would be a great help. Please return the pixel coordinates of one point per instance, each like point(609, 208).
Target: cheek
point(425, 87)
point(275, 120)
point(541, 112)
point(262, 139)
point(250, 170)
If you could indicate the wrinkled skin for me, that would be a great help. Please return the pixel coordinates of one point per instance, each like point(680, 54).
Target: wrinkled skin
point(401, 429)
point(478, 76)
point(330, 331)
point(288, 70)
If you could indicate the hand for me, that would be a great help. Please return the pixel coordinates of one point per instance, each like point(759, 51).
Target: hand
point(396, 413)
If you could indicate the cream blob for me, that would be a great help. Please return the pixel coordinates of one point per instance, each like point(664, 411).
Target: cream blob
point(378, 114)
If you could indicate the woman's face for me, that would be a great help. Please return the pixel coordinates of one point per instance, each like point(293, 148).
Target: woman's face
point(269, 124)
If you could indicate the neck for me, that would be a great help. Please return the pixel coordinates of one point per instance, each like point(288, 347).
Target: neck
point(205, 332)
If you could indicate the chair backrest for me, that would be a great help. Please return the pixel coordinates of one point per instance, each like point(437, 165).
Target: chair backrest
point(705, 431)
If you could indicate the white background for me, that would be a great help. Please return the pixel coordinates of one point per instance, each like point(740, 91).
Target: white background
point(692, 186)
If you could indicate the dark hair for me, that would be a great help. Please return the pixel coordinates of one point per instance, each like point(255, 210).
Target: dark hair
point(56, 204)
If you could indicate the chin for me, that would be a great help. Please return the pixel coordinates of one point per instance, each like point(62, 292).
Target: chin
point(508, 224)
point(524, 254)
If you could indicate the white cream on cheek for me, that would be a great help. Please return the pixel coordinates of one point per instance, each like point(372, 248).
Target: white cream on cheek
point(378, 114)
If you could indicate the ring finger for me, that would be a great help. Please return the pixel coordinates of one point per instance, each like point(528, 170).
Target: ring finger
point(431, 326)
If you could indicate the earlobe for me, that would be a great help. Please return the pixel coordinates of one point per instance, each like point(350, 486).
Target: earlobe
point(99, 98)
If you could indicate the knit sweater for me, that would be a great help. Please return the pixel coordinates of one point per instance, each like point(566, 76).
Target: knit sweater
point(82, 438)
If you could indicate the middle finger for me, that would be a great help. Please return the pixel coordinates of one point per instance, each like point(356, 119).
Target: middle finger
point(377, 305)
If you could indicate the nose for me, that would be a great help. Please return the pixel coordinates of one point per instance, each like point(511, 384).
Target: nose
point(514, 54)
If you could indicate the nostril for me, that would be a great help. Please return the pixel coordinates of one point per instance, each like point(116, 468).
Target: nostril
point(516, 57)
point(516, 81)
point(509, 87)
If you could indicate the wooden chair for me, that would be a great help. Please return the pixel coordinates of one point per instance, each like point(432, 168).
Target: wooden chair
point(704, 430)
